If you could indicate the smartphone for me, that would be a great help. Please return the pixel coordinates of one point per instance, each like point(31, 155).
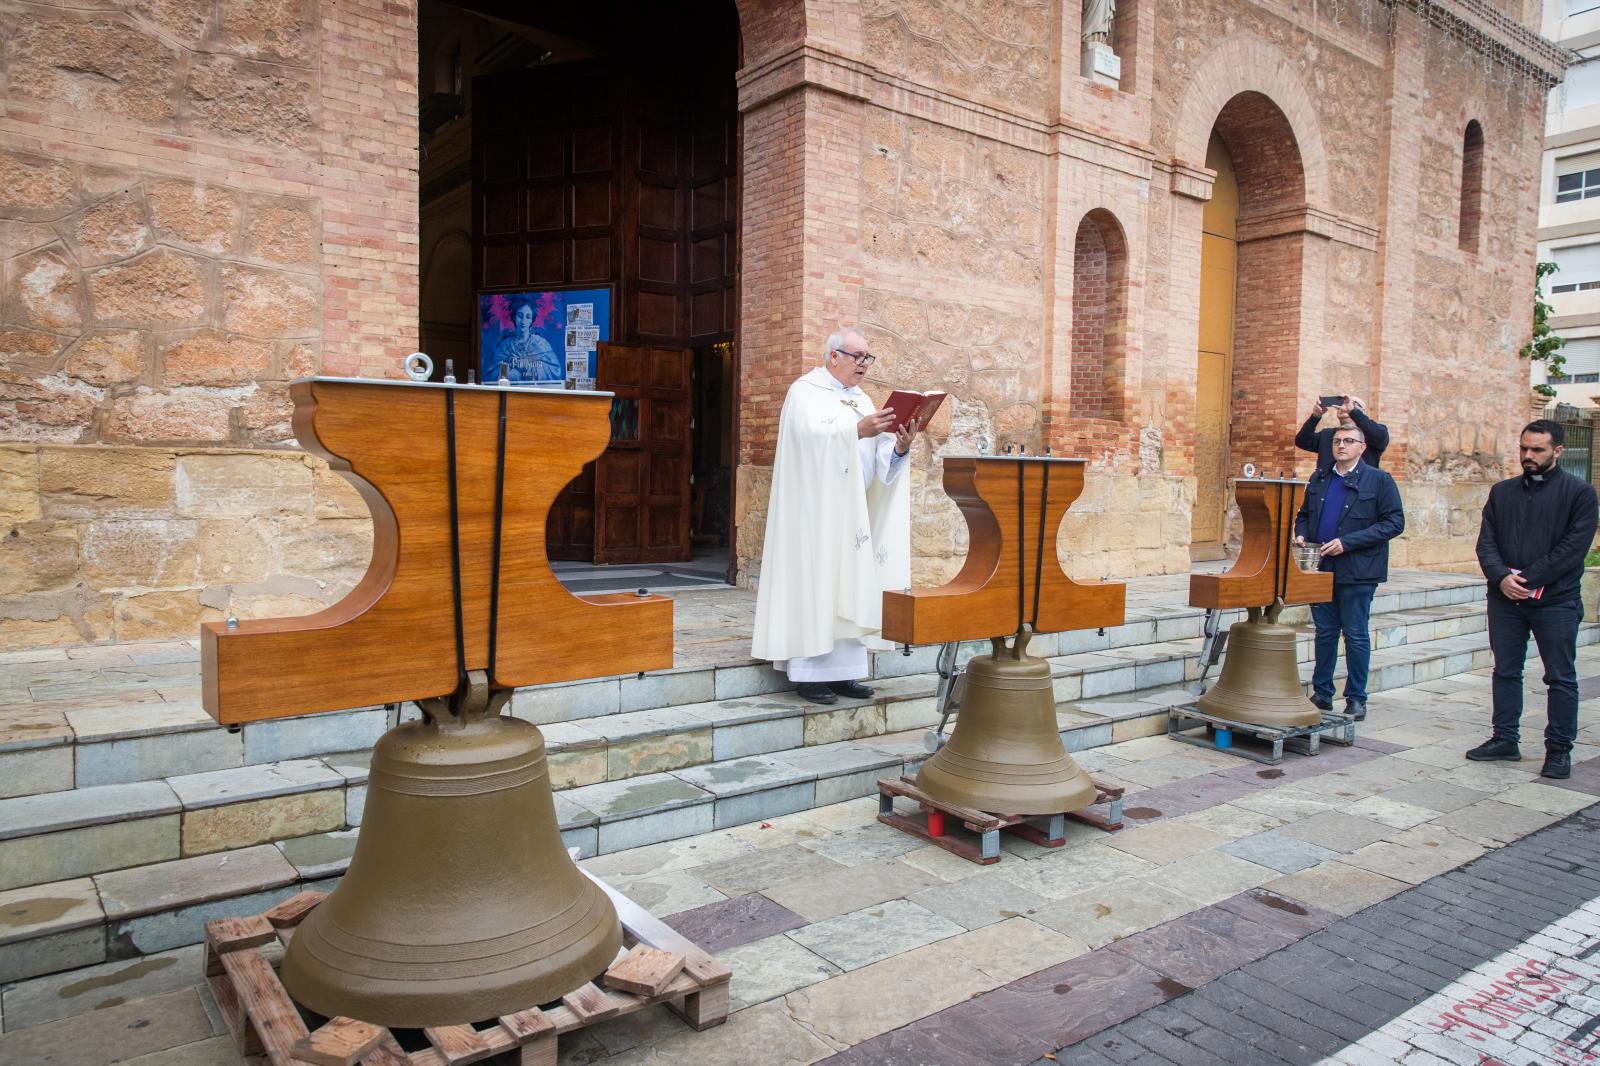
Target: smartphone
point(1331, 401)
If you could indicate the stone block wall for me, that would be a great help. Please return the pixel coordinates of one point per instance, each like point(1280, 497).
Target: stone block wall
point(198, 202)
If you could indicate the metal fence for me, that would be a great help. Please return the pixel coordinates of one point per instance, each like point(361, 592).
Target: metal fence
point(1578, 455)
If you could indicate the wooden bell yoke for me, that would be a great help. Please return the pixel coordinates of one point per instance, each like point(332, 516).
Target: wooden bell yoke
point(1265, 574)
point(1013, 506)
point(459, 480)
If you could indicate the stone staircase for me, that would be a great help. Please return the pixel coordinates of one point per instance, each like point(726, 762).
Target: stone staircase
point(127, 831)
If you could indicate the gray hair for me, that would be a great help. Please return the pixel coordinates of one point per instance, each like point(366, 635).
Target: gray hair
point(836, 340)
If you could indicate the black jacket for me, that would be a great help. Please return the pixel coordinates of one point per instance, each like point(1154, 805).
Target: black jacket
point(1310, 439)
point(1372, 516)
point(1543, 528)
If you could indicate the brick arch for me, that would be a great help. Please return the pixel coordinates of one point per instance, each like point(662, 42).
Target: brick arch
point(769, 28)
point(1246, 64)
point(1099, 318)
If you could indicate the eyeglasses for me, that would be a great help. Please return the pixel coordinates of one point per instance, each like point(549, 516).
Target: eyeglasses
point(861, 358)
point(1348, 440)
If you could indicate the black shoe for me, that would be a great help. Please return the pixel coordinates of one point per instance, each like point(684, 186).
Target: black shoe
point(1356, 709)
point(852, 689)
point(1557, 764)
point(1322, 703)
point(1494, 749)
point(816, 692)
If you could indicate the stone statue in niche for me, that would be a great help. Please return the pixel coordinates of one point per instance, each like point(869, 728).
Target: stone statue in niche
point(1100, 63)
point(1097, 17)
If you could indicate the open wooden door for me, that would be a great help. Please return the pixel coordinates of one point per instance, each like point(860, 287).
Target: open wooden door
point(642, 480)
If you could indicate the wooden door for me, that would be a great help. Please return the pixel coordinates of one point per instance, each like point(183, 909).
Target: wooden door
point(1219, 253)
point(642, 480)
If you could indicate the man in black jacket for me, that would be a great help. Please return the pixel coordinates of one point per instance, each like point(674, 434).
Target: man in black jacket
point(1536, 530)
point(1311, 439)
point(1353, 510)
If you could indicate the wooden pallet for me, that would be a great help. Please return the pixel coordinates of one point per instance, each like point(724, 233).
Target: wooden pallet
point(656, 965)
point(986, 850)
point(1190, 725)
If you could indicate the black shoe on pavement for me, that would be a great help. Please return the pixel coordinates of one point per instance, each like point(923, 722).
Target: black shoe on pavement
point(1494, 749)
point(1322, 703)
point(853, 689)
point(1557, 764)
point(1356, 709)
point(816, 692)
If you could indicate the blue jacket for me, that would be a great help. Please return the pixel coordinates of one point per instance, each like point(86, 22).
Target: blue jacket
point(1371, 518)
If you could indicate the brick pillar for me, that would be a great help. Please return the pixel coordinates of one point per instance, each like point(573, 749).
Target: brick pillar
point(368, 142)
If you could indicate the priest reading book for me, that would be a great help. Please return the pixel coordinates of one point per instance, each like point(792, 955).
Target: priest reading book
point(907, 405)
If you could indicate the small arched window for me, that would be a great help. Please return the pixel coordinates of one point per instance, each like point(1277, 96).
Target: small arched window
point(1471, 185)
point(1099, 317)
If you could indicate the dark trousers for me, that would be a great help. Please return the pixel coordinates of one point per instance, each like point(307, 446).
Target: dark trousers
point(1555, 630)
point(1349, 613)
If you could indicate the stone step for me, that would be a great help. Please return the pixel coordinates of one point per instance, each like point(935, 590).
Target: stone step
point(162, 903)
point(100, 744)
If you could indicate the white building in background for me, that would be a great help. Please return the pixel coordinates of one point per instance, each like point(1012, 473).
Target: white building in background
point(1569, 202)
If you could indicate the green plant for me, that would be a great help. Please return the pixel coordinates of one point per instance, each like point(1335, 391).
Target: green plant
point(1545, 344)
point(1592, 559)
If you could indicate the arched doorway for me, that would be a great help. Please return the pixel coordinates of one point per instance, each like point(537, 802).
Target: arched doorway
point(1252, 263)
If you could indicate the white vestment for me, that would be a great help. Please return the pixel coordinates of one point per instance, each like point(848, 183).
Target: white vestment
point(838, 535)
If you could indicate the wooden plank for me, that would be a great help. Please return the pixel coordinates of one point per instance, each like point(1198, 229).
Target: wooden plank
point(387, 1053)
point(291, 911)
point(655, 933)
point(703, 1009)
point(276, 1021)
point(539, 1052)
point(234, 1016)
point(645, 970)
point(234, 934)
point(458, 1043)
point(980, 821)
point(590, 1004)
point(949, 842)
point(526, 1025)
point(341, 1042)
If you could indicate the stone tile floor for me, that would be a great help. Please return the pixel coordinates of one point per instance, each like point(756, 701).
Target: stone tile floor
point(852, 940)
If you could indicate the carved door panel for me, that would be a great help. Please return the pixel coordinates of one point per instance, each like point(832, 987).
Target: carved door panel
point(642, 480)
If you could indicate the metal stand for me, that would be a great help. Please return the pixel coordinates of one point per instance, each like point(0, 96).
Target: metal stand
point(948, 697)
point(1184, 723)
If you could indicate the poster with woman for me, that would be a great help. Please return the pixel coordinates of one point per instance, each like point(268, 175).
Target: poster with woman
point(544, 338)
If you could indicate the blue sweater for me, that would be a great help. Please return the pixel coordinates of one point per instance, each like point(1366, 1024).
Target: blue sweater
point(1366, 520)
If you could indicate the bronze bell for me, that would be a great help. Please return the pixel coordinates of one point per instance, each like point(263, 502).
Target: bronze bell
point(461, 903)
point(1005, 755)
point(1260, 682)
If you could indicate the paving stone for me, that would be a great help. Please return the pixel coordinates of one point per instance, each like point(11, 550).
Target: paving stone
point(731, 923)
point(1202, 945)
point(670, 855)
point(28, 815)
point(165, 930)
point(1337, 832)
point(220, 787)
point(624, 833)
point(1415, 855)
point(1537, 796)
point(666, 689)
point(1491, 823)
point(829, 892)
point(1076, 999)
point(321, 854)
point(218, 1051)
point(152, 757)
point(757, 738)
point(107, 984)
point(733, 682)
point(764, 1033)
point(30, 771)
point(851, 941)
point(1493, 777)
point(168, 885)
point(772, 967)
point(61, 856)
point(766, 803)
point(1277, 850)
point(39, 910)
point(238, 825)
point(154, 1023)
point(667, 893)
point(567, 702)
point(845, 723)
point(577, 766)
point(1166, 841)
point(1102, 913)
point(25, 725)
point(768, 869)
point(1436, 795)
point(867, 843)
point(355, 803)
point(1068, 871)
point(121, 721)
point(1212, 876)
point(658, 753)
point(612, 800)
point(1389, 812)
point(50, 952)
point(1336, 887)
point(1230, 821)
point(978, 901)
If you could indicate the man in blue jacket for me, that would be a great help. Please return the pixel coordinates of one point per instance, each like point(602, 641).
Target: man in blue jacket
point(1536, 530)
point(1353, 510)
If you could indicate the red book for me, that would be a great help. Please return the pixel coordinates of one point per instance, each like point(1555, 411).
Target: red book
point(907, 405)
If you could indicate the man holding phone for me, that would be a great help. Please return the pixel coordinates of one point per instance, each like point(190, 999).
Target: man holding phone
point(1350, 412)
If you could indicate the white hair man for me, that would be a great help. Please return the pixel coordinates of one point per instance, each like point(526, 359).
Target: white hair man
point(838, 527)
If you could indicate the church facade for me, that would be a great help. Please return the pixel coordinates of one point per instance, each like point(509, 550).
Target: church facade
point(1147, 234)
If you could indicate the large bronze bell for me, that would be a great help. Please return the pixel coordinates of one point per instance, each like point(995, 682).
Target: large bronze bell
point(1260, 682)
point(461, 902)
point(1005, 755)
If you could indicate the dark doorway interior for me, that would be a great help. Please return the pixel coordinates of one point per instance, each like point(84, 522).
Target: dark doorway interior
point(596, 146)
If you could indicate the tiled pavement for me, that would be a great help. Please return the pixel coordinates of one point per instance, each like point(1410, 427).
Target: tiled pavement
point(1249, 914)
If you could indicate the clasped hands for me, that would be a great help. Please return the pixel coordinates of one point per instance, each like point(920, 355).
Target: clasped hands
point(1513, 588)
point(882, 422)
